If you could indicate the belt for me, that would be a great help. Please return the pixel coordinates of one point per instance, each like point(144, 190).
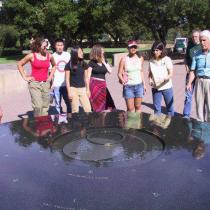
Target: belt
point(40, 81)
point(203, 77)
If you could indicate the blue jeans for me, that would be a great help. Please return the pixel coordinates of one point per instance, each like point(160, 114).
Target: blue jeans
point(188, 99)
point(133, 91)
point(168, 98)
point(61, 92)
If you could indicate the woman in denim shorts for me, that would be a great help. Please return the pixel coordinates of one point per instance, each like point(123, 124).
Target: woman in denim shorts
point(130, 74)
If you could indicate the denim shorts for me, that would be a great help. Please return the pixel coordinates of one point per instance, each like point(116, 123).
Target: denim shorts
point(133, 91)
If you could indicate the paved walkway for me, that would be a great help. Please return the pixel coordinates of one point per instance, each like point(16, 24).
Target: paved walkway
point(18, 103)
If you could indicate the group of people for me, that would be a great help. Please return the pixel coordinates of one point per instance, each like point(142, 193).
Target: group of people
point(131, 75)
point(66, 75)
point(160, 72)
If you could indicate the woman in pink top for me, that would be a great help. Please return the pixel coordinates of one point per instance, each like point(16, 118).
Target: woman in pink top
point(39, 80)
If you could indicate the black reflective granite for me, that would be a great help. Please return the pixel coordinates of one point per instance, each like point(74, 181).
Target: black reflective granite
point(105, 161)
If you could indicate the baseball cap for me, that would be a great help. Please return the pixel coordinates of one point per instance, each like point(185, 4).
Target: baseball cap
point(132, 43)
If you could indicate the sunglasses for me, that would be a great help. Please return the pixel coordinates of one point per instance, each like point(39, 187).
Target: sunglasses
point(133, 46)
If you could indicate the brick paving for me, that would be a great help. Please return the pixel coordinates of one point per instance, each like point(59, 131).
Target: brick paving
point(19, 103)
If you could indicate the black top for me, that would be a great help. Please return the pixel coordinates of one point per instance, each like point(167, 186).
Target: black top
point(97, 70)
point(76, 74)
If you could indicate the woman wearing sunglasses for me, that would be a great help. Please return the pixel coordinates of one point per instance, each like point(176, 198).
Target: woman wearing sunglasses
point(160, 74)
point(130, 74)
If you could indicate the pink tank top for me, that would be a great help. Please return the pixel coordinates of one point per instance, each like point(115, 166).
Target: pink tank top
point(40, 68)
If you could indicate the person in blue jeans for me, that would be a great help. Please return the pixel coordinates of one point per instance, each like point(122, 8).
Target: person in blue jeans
point(160, 74)
point(61, 58)
point(192, 48)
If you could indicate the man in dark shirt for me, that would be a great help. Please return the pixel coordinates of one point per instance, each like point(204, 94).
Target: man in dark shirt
point(193, 47)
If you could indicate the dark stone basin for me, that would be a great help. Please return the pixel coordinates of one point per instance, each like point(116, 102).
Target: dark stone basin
point(105, 161)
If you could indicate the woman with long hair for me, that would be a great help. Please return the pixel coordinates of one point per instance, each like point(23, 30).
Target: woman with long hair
point(39, 80)
point(76, 74)
point(100, 97)
point(160, 74)
point(130, 74)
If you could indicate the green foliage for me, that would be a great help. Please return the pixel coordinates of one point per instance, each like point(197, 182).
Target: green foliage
point(49, 18)
point(8, 37)
point(93, 20)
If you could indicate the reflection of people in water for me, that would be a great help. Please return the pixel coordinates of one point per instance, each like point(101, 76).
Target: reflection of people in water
point(200, 132)
point(43, 127)
point(133, 120)
point(107, 119)
point(160, 120)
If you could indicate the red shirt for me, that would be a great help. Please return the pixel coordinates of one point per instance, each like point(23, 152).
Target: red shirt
point(40, 68)
point(44, 123)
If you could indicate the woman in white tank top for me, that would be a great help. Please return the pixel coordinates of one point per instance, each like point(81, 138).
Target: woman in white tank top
point(130, 74)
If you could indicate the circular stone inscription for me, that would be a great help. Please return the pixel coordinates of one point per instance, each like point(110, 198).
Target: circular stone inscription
point(113, 146)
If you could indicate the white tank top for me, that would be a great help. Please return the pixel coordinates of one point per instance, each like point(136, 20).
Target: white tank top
point(133, 71)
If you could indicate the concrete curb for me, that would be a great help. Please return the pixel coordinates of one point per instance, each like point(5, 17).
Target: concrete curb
point(10, 82)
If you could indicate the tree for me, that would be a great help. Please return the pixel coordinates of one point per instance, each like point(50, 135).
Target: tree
point(197, 13)
point(48, 18)
point(161, 15)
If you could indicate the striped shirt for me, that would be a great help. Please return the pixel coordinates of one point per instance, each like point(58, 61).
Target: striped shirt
point(201, 64)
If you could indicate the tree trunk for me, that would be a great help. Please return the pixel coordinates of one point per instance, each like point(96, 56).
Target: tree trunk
point(162, 33)
point(154, 33)
point(22, 38)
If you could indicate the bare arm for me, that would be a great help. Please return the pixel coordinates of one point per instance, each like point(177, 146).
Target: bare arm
point(150, 77)
point(88, 73)
point(142, 73)
point(121, 71)
point(52, 61)
point(67, 77)
point(21, 64)
point(87, 83)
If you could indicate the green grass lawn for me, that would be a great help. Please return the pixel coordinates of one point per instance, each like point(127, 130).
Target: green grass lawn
point(10, 59)
point(109, 52)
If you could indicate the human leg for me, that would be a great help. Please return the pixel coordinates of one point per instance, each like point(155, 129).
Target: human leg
point(75, 100)
point(66, 98)
point(157, 98)
point(45, 97)
point(36, 97)
point(169, 101)
point(188, 99)
point(57, 95)
point(84, 100)
point(199, 99)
